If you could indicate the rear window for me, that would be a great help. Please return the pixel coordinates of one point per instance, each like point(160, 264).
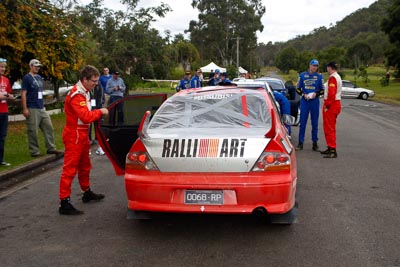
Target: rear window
point(213, 110)
point(276, 85)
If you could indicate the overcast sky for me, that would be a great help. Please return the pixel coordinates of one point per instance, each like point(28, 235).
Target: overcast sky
point(283, 19)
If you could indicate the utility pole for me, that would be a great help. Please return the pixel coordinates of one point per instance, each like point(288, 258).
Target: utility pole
point(237, 53)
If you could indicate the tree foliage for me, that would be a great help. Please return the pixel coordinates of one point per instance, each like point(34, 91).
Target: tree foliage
point(125, 40)
point(65, 36)
point(362, 25)
point(360, 53)
point(220, 23)
point(38, 29)
point(287, 59)
point(391, 26)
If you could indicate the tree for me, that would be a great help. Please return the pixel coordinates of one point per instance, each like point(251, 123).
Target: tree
point(125, 41)
point(337, 54)
point(287, 59)
point(186, 53)
point(360, 53)
point(38, 29)
point(220, 23)
point(391, 26)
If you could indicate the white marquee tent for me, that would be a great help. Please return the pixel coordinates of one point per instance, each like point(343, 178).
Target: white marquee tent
point(212, 67)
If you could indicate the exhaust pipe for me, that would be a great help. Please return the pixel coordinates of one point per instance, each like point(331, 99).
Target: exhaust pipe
point(260, 212)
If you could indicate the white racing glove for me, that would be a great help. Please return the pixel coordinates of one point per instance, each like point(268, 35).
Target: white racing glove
point(311, 95)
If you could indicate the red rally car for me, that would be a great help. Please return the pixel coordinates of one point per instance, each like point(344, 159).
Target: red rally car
point(207, 150)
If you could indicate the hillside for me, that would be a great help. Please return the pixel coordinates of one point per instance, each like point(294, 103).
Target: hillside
point(362, 25)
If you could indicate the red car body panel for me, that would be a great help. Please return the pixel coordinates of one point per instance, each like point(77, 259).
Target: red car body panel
point(242, 194)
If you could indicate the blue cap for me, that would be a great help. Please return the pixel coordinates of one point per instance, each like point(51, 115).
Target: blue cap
point(314, 62)
point(216, 71)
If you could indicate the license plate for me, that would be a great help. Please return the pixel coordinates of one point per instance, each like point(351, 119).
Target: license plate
point(208, 197)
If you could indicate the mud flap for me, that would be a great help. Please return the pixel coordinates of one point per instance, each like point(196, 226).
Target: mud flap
point(138, 215)
point(286, 218)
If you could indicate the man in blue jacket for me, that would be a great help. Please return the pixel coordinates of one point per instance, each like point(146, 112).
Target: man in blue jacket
point(195, 82)
point(184, 83)
point(310, 86)
point(116, 89)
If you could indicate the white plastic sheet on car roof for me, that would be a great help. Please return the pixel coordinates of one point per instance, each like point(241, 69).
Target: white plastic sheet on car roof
point(222, 110)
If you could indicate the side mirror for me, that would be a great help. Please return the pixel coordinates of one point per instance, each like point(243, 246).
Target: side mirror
point(289, 85)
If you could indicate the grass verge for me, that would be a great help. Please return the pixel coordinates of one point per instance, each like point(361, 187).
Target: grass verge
point(16, 149)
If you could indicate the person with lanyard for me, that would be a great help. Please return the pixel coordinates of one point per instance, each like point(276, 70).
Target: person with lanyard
point(97, 102)
point(78, 116)
point(103, 82)
point(116, 89)
point(310, 86)
point(195, 82)
point(5, 96)
point(184, 83)
point(331, 109)
point(34, 111)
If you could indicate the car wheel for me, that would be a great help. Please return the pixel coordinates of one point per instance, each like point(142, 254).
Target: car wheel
point(364, 96)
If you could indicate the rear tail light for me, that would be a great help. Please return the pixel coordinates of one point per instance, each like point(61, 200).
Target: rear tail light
point(139, 159)
point(272, 161)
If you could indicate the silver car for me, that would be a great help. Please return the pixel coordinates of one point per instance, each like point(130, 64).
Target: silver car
point(351, 90)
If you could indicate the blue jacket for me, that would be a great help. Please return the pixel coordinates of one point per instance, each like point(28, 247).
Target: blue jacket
point(309, 83)
point(111, 83)
point(283, 103)
point(183, 84)
point(195, 82)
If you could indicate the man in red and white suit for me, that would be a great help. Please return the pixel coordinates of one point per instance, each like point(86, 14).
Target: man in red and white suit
point(79, 115)
point(331, 109)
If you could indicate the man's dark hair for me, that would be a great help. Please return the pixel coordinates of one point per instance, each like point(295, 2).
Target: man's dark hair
point(88, 71)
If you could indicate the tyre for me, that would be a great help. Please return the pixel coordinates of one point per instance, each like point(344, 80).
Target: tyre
point(364, 96)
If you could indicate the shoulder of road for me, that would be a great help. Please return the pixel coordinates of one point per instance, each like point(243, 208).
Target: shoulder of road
point(31, 168)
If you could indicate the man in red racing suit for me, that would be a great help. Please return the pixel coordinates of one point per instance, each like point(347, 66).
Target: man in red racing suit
point(79, 115)
point(331, 109)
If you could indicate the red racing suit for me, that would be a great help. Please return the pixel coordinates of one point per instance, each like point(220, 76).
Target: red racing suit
point(75, 137)
point(332, 108)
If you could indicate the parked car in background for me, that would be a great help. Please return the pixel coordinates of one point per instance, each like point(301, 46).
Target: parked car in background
point(351, 90)
point(286, 88)
point(211, 150)
point(276, 84)
point(47, 93)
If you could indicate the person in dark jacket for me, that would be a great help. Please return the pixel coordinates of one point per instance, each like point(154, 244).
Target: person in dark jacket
point(97, 102)
point(184, 83)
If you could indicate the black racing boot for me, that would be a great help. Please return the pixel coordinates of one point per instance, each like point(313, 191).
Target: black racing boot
point(299, 146)
point(331, 154)
point(66, 208)
point(326, 152)
point(89, 195)
point(315, 146)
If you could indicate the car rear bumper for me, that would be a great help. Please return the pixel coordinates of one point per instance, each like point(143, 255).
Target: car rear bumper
point(238, 197)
